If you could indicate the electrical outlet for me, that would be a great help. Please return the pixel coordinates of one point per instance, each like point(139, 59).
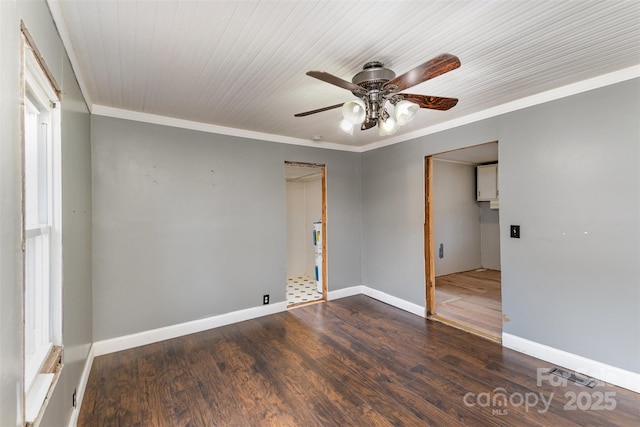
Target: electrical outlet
point(265, 299)
point(74, 401)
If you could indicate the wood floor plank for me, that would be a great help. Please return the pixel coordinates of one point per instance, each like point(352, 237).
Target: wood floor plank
point(472, 299)
point(304, 387)
point(247, 382)
point(156, 406)
point(367, 416)
point(292, 390)
point(400, 365)
point(349, 362)
point(184, 378)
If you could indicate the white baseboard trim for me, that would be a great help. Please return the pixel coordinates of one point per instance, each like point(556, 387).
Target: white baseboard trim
point(125, 342)
point(601, 371)
point(155, 335)
point(82, 386)
point(395, 301)
point(346, 292)
point(380, 296)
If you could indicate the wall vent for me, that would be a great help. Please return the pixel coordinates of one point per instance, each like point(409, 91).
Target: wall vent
point(589, 382)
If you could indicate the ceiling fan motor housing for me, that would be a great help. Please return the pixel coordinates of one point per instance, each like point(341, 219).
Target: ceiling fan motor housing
point(373, 76)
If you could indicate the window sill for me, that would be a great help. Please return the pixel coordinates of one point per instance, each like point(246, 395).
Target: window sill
point(42, 388)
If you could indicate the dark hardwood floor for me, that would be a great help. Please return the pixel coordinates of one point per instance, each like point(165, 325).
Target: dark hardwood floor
point(349, 362)
point(472, 299)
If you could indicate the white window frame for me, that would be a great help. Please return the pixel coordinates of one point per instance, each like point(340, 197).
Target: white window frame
point(42, 235)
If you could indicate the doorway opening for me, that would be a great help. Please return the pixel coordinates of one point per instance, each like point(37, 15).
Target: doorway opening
point(306, 269)
point(462, 240)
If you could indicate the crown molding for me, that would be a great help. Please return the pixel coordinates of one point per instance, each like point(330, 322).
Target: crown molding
point(63, 32)
point(101, 110)
point(551, 95)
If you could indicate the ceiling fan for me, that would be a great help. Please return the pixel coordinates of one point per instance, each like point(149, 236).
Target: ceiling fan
point(376, 87)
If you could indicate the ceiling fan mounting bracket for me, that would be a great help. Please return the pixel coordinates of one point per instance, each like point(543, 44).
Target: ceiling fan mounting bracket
point(373, 64)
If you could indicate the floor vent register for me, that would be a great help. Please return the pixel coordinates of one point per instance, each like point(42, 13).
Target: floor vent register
point(589, 382)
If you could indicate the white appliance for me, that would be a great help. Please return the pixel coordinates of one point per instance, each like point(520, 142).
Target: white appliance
point(317, 244)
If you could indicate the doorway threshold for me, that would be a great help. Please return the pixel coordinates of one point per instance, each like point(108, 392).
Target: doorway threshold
point(300, 304)
point(465, 328)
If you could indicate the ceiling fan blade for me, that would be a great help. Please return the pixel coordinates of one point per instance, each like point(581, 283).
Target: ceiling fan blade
point(319, 110)
point(432, 102)
point(337, 81)
point(433, 68)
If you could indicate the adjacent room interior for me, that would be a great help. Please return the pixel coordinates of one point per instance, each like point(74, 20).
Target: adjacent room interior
point(466, 239)
point(305, 225)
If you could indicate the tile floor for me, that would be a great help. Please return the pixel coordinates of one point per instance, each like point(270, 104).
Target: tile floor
point(302, 289)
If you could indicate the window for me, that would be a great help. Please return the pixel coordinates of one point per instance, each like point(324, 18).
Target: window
point(42, 309)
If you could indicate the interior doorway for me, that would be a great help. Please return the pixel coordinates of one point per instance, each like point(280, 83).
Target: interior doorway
point(462, 240)
point(306, 269)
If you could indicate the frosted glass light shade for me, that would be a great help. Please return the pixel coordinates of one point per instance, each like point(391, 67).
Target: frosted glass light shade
point(346, 126)
point(405, 111)
point(387, 127)
point(354, 111)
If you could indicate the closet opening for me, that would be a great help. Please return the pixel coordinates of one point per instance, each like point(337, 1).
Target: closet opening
point(306, 269)
point(462, 240)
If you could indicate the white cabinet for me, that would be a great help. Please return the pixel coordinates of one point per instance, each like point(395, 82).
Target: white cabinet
point(487, 183)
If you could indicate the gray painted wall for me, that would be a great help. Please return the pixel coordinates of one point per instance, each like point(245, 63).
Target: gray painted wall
point(456, 217)
point(489, 237)
point(570, 177)
point(10, 224)
point(566, 167)
point(76, 215)
point(189, 225)
point(393, 208)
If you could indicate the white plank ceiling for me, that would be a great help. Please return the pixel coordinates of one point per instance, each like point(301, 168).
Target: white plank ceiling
point(242, 64)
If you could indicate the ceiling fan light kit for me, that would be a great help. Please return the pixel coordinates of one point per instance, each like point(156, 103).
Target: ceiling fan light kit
point(387, 126)
point(377, 88)
point(354, 111)
point(405, 111)
point(346, 126)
